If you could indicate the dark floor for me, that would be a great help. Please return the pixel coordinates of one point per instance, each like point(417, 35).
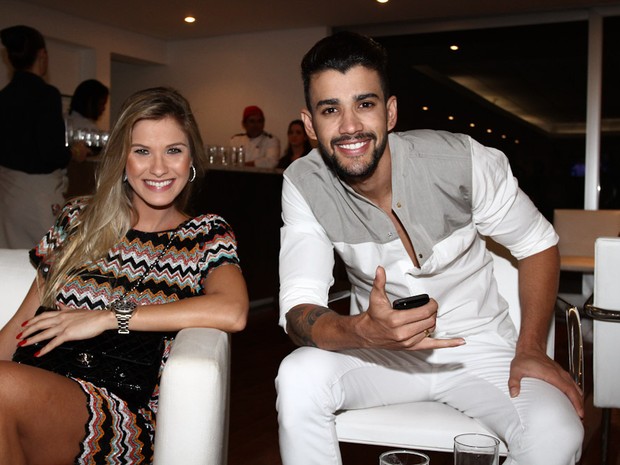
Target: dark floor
point(256, 353)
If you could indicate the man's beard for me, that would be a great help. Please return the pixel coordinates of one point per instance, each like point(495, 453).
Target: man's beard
point(358, 171)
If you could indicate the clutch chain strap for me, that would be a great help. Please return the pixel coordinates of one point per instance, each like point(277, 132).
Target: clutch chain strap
point(148, 270)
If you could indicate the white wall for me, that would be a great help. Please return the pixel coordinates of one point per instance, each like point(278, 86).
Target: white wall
point(219, 76)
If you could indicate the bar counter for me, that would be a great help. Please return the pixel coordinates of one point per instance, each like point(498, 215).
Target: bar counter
point(248, 198)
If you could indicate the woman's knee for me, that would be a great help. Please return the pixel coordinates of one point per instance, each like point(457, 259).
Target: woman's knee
point(12, 391)
point(29, 394)
point(11, 382)
point(25, 388)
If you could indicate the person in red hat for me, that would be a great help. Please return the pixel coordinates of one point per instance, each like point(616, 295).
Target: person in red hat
point(261, 148)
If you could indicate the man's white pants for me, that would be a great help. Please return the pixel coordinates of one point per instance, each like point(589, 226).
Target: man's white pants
point(540, 426)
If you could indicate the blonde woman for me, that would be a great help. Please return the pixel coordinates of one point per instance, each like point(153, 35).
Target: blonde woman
point(128, 260)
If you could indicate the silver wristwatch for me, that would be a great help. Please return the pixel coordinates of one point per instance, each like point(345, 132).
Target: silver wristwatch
point(123, 311)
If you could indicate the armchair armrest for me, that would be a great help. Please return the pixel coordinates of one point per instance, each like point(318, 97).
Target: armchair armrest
point(601, 314)
point(16, 276)
point(604, 310)
point(192, 420)
point(574, 335)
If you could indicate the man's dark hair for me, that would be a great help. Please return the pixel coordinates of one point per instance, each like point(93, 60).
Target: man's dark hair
point(22, 44)
point(341, 52)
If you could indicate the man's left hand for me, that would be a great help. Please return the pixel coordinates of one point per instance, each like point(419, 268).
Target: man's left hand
point(536, 364)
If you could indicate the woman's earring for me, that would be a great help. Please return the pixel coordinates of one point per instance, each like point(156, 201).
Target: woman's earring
point(193, 176)
point(124, 177)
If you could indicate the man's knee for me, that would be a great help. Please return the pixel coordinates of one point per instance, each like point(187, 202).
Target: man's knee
point(560, 431)
point(304, 382)
point(552, 433)
point(298, 372)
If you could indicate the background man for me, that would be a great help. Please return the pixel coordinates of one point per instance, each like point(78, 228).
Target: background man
point(406, 213)
point(261, 148)
point(33, 155)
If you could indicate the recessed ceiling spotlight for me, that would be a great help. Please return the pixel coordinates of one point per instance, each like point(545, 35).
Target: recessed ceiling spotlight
point(451, 118)
point(382, 1)
point(189, 19)
point(472, 125)
point(424, 108)
point(454, 48)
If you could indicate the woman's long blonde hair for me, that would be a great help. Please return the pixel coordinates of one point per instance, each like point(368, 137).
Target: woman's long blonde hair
point(109, 213)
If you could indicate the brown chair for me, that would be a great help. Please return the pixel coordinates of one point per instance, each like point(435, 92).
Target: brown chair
point(578, 229)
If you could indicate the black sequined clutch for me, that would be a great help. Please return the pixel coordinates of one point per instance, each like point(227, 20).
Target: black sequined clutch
point(125, 364)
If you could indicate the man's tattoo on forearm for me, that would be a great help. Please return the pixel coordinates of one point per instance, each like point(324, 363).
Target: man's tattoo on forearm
point(300, 322)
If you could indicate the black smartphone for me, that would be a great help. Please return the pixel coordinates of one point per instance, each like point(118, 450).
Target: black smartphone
point(410, 302)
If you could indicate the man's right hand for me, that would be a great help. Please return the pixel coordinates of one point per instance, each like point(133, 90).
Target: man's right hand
point(383, 327)
point(380, 327)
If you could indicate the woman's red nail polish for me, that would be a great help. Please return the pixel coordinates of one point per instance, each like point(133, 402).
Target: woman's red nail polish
point(21, 343)
point(19, 336)
point(37, 353)
point(25, 323)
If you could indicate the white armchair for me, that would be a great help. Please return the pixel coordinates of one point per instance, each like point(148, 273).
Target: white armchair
point(192, 423)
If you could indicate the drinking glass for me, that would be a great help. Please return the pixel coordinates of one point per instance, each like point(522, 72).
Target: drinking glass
point(221, 155)
point(212, 151)
point(476, 449)
point(403, 457)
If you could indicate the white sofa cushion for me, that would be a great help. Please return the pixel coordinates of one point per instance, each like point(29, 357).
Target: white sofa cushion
point(16, 276)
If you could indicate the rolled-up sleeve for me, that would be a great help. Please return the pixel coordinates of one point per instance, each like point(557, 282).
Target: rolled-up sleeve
point(306, 254)
point(502, 210)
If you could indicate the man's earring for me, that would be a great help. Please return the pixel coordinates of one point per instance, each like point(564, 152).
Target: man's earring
point(193, 176)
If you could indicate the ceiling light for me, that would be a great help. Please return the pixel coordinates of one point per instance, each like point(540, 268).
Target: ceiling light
point(424, 108)
point(472, 125)
point(189, 19)
point(454, 48)
point(451, 118)
point(382, 1)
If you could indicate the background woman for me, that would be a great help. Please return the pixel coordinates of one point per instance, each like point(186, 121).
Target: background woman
point(298, 143)
point(87, 104)
point(129, 259)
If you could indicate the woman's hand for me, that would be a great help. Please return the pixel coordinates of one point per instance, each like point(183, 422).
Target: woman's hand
point(80, 151)
point(66, 324)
